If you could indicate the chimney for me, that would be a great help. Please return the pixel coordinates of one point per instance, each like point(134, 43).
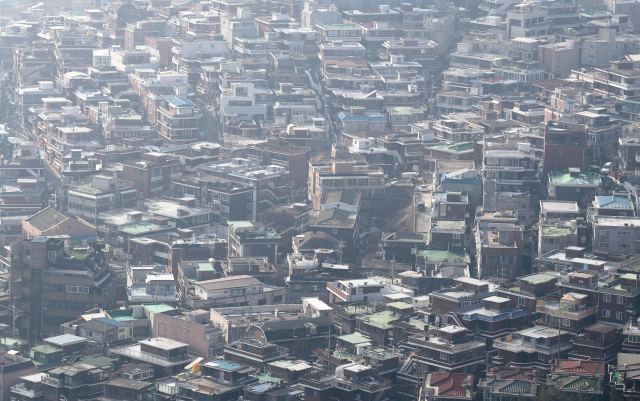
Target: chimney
point(453, 196)
point(286, 87)
point(504, 237)
point(574, 171)
point(574, 252)
point(185, 233)
point(135, 216)
point(160, 221)
point(191, 202)
point(357, 111)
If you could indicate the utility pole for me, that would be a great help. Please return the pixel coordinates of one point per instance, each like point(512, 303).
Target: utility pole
point(559, 337)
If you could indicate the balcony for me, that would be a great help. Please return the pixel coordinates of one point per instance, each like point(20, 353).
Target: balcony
point(22, 390)
point(436, 343)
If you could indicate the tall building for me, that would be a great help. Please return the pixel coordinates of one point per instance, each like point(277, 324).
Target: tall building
point(565, 146)
point(50, 287)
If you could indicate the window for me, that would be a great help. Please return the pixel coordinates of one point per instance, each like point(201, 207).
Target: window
point(620, 300)
point(225, 209)
point(443, 356)
point(77, 290)
point(604, 245)
point(605, 313)
point(456, 236)
point(605, 232)
point(335, 230)
point(624, 246)
point(624, 233)
point(606, 298)
point(619, 315)
point(521, 301)
point(566, 322)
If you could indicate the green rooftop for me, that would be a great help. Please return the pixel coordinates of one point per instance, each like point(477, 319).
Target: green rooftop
point(404, 110)
point(158, 308)
point(354, 338)
point(101, 361)
point(616, 288)
point(140, 228)
point(123, 315)
point(205, 266)
point(565, 178)
point(457, 147)
point(8, 343)
point(554, 231)
point(381, 319)
point(343, 355)
point(433, 255)
point(264, 377)
point(340, 26)
point(46, 349)
point(443, 197)
point(400, 305)
point(538, 278)
point(281, 364)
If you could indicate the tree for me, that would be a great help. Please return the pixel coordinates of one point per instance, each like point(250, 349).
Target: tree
point(551, 393)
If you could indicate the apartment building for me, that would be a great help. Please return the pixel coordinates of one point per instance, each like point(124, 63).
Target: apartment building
point(179, 120)
point(235, 291)
point(499, 250)
point(271, 183)
point(343, 170)
point(103, 194)
point(152, 176)
point(616, 235)
point(248, 238)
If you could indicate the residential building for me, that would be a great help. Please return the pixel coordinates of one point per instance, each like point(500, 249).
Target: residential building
point(615, 235)
point(84, 280)
point(79, 381)
point(179, 120)
point(152, 176)
point(499, 250)
point(234, 291)
point(536, 347)
point(165, 355)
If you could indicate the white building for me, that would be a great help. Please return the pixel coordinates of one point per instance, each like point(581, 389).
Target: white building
point(240, 100)
point(363, 290)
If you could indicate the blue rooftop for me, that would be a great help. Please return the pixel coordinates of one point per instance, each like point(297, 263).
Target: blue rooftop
point(612, 202)
point(110, 322)
point(258, 388)
point(224, 364)
point(180, 102)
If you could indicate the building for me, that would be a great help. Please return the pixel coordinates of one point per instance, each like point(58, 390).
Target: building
point(537, 347)
point(234, 291)
point(574, 185)
point(565, 146)
point(253, 239)
point(104, 194)
point(499, 250)
point(179, 120)
point(615, 235)
point(66, 285)
point(79, 381)
point(165, 355)
point(152, 176)
point(191, 327)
